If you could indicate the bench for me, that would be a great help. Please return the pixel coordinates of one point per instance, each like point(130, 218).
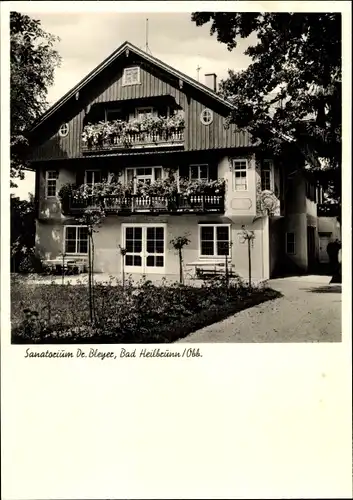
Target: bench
point(211, 268)
point(71, 265)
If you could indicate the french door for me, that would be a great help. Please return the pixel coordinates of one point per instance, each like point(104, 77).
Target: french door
point(145, 248)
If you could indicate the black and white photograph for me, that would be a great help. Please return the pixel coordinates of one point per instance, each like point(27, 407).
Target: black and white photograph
point(175, 190)
point(176, 250)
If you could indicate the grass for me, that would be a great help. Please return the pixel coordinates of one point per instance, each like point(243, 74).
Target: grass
point(142, 313)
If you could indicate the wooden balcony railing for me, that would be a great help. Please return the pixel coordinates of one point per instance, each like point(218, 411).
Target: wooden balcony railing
point(328, 210)
point(137, 140)
point(179, 203)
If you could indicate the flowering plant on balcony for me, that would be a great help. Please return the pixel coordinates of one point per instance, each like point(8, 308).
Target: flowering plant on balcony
point(161, 187)
point(216, 187)
point(102, 132)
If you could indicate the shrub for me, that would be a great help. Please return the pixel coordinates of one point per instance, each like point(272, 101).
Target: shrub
point(136, 313)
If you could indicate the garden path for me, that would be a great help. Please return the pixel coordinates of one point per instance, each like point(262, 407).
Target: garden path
point(309, 311)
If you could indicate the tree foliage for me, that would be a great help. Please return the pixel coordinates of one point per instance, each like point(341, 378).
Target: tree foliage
point(289, 98)
point(22, 229)
point(33, 61)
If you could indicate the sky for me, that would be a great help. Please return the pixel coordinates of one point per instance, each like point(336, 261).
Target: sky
point(86, 38)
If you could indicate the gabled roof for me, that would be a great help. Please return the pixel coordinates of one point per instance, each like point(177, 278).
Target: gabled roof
point(113, 57)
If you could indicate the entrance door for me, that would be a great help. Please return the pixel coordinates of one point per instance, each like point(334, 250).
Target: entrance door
point(324, 240)
point(145, 248)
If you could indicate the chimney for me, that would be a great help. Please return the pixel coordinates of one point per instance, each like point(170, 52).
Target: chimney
point(211, 81)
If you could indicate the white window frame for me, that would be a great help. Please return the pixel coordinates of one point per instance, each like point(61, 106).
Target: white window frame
point(64, 129)
point(92, 170)
point(47, 179)
point(64, 240)
point(138, 82)
point(135, 176)
point(294, 243)
point(143, 269)
point(153, 110)
point(199, 165)
point(269, 168)
point(214, 226)
point(245, 169)
point(202, 116)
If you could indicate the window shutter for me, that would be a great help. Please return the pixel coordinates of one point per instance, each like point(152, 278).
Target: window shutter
point(129, 174)
point(104, 175)
point(158, 173)
point(212, 172)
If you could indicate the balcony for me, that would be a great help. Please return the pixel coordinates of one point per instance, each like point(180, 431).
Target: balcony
point(136, 140)
point(132, 204)
point(138, 133)
point(328, 210)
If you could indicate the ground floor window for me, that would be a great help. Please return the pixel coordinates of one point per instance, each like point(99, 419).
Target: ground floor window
point(290, 243)
point(214, 240)
point(145, 247)
point(76, 239)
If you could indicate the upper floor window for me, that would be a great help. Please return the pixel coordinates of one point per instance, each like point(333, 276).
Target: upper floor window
point(113, 114)
point(64, 130)
point(206, 116)
point(144, 112)
point(267, 175)
point(76, 239)
point(93, 177)
point(214, 240)
point(147, 175)
point(199, 172)
point(311, 191)
point(240, 168)
point(131, 76)
point(51, 183)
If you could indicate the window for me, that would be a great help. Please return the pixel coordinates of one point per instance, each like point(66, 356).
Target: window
point(144, 174)
point(206, 116)
point(93, 177)
point(64, 130)
point(113, 114)
point(290, 243)
point(76, 239)
point(214, 240)
point(266, 175)
point(240, 175)
point(51, 183)
point(199, 172)
point(143, 112)
point(145, 247)
point(131, 76)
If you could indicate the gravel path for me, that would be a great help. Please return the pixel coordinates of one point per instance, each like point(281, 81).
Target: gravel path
point(309, 311)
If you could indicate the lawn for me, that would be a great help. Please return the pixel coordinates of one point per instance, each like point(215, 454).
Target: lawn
point(136, 313)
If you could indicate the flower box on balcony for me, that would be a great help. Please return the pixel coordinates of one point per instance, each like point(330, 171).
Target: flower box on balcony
point(147, 132)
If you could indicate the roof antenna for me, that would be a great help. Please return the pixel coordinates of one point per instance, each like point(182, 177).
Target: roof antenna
point(147, 49)
point(198, 73)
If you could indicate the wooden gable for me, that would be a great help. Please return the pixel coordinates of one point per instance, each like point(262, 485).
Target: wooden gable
point(107, 89)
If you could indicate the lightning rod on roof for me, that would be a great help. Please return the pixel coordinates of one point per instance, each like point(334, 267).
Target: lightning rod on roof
point(198, 73)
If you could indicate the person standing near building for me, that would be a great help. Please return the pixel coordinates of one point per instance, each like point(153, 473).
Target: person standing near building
point(336, 257)
point(332, 252)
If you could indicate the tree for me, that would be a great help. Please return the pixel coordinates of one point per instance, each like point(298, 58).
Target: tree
point(178, 243)
point(22, 229)
point(33, 61)
point(289, 98)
